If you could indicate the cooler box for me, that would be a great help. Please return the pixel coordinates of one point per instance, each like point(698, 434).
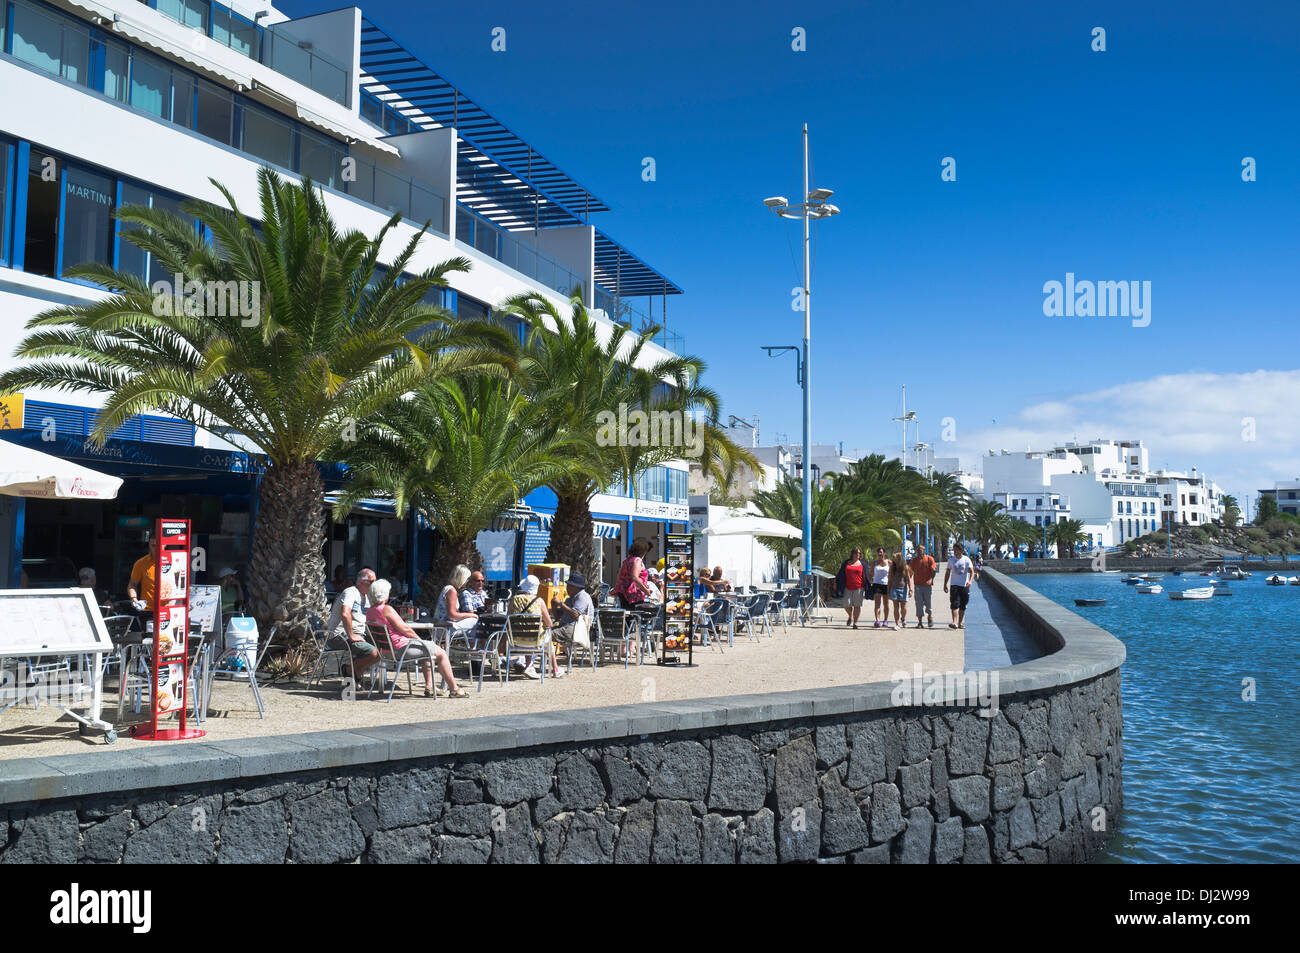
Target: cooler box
point(552, 578)
point(241, 637)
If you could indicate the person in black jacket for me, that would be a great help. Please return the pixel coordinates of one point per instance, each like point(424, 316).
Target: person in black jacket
point(850, 584)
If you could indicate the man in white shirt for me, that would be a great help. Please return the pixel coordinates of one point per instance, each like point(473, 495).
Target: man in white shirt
point(347, 624)
point(962, 573)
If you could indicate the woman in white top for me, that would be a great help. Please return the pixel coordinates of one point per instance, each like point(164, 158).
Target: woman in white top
point(880, 588)
point(448, 609)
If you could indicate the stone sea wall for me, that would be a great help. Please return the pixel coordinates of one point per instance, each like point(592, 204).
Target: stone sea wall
point(836, 775)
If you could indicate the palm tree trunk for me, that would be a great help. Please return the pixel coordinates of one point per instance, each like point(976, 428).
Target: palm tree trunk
point(571, 540)
point(286, 571)
point(450, 553)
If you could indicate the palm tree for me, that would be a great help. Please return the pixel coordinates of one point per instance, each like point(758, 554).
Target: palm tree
point(328, 346)
point(1231, 511)
point(582, 380)
point(839, 521)
point(985, 524)
point(458, 452)
point(1066, 534)
point(954, 505)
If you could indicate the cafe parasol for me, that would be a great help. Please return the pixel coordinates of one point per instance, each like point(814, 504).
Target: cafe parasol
point(30, 473)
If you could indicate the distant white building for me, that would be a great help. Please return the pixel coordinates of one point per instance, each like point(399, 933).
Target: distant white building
point(1287, 495)
point(1109, 486)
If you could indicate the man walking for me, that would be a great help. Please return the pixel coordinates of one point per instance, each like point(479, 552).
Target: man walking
point(962, 573)
point(923, 570)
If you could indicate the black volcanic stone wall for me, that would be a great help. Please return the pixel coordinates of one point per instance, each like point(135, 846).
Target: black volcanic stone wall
point(1038, 782)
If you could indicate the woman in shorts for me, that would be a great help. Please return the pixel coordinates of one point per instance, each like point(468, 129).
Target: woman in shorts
point(402, 636)
point(880, 589)
point(852, 583)
point(900, 588)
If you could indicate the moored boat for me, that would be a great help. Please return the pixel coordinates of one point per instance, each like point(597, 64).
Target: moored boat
point(1150, 588)
point(1089, 602)
point(1200, 592)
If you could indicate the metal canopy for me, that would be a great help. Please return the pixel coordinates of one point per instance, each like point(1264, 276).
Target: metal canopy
point(391, 67)
point(498, 175)
point(626, 276)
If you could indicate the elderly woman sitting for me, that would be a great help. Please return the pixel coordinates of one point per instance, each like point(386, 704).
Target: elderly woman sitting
point(448, 609)
point(403, 637)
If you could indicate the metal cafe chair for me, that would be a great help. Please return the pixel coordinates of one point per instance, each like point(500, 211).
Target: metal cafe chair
point(616, 628)
point(525, 635)
point(713, 615)
point(741, 615)
point(380, 639)
point(474, 645)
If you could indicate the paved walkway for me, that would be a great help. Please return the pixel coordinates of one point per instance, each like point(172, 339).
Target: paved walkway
point(825, 654)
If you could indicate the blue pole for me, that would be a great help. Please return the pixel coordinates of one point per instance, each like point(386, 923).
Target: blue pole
point(807, 371)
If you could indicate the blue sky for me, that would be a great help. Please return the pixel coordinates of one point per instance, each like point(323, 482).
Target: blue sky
point(1115, 165)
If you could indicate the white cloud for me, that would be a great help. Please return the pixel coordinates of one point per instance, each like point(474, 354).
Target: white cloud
point(1185, 420)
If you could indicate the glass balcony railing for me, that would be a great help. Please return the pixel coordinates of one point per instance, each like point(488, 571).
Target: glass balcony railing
point(495, 242)
point(622, 312)
point(274, 46)
point(287, 56)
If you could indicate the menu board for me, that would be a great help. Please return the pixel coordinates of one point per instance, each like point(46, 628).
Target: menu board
point(170, 627)
point(204, 602)
point(51, 622)
point(679, 600)
point(170, 696)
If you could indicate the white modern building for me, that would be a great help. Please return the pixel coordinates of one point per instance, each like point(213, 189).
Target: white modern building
point(115, 102)
point(1187, 499)
point(1287, 495)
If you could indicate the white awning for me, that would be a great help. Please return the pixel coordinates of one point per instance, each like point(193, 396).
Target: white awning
point(31, 473)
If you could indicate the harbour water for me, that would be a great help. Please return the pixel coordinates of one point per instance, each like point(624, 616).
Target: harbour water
point(1209, 777)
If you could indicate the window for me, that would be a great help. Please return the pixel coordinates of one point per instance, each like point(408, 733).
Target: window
point(214, 114)
point(40, 247)
point(320, 158)
point(136, 260)
point(6, 161)
point(1038, 521)
point(677, 486)
point(1038, 502)
point(151, 85)
point(88, 200)
point(113, 82)
point(189, 12)
point(234, 31)
point(38, 38)
point(268, 137)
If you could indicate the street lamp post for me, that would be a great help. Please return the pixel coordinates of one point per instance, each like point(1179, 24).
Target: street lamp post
point(907, 415)
point(814, 206)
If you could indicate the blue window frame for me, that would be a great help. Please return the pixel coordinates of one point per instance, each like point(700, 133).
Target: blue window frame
point(6, 197)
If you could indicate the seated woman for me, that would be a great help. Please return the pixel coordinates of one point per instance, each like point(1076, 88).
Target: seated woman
point(448, 610)
point(704, 585)
point(401, 634)
point(633, 584)
point(526, 601)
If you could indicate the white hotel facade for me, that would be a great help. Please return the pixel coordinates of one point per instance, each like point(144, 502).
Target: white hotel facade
point(113, 102)
point(1107, 484)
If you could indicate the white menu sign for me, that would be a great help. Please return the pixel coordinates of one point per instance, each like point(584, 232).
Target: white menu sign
point(51, 622)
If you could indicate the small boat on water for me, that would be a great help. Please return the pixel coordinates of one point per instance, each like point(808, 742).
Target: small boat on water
point(1207, 573)
point(1178, 572)
point(1089, 602)
point(1295, 581)
point(1277, 579)
point(1229, 571)
point(1150, 588)
point(1132, 580)
point(1200, 592)
point(1152, 576)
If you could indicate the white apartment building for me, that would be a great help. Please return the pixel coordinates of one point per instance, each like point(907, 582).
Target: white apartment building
point(115, 102)
point(1108, 485)
point(1042, 508)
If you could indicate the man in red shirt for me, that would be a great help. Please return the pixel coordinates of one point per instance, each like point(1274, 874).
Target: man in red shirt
point(923, 570)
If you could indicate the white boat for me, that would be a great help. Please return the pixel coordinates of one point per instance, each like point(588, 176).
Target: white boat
point(1200, 592)
point(1233, 572)
point(1279, 580)
point(1295, 581)
point(1152, 576)
point(1150, 588)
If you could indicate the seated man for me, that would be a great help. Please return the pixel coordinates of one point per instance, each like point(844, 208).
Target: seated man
point(474, 597)
point(720, 584)
point(567, 613)
point(347, 624)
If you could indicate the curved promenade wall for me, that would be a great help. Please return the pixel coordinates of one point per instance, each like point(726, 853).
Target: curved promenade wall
point(835, 775)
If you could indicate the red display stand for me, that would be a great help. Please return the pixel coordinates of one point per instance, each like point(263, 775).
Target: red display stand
point(171, 613)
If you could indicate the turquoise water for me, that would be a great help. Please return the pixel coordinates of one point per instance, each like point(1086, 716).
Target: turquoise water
point(1208, 777)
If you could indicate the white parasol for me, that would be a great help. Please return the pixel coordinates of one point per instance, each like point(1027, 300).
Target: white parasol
point(31, 473)
point(752, 526)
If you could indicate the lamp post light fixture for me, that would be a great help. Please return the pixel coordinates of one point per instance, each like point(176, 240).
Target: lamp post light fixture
point(813, 207)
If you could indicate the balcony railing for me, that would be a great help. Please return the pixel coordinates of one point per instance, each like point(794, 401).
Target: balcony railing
point(495, 242)
point(621, 311)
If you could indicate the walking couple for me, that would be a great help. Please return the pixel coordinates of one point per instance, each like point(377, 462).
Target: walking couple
point(891, 581)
